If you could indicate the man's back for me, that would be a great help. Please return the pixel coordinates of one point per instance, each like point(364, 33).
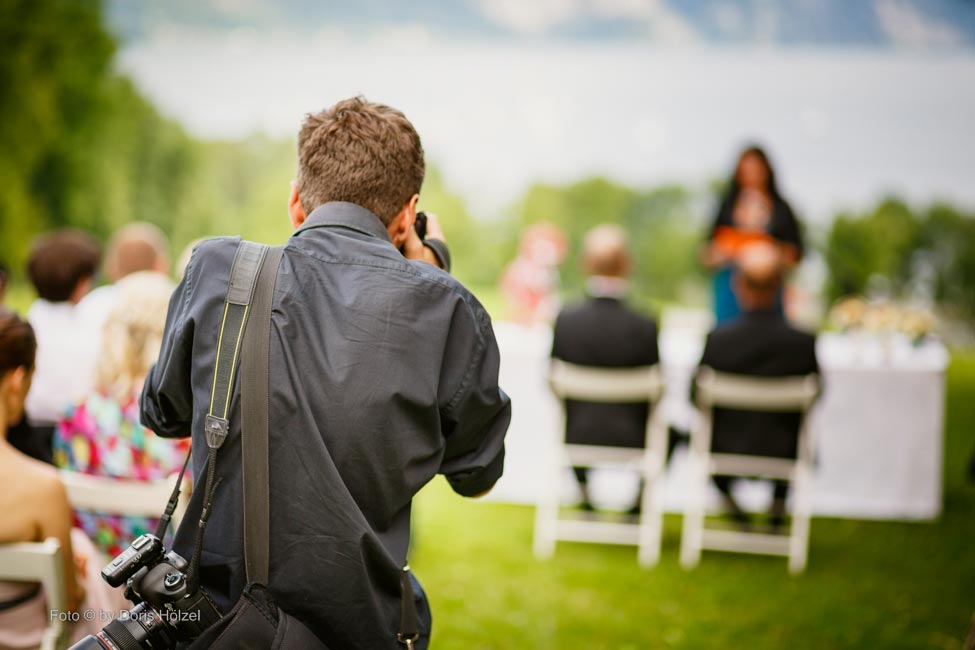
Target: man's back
point(383, 373)
point(758, 343)
point(604, 332)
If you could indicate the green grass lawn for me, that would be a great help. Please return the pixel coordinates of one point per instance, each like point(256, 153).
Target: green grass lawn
point(869, 584)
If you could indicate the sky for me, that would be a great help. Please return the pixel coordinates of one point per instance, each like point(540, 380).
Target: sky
point(854, 100)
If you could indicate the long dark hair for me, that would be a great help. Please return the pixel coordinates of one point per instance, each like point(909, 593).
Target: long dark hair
point(17, 343)
point(753, 150)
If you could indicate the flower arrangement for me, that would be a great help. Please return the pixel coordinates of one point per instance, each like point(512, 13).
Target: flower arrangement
point(854, 313)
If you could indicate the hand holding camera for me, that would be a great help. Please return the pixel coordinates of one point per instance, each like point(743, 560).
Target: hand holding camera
point(427, 242)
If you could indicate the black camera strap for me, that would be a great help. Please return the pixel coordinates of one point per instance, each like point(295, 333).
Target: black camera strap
point(254, 423)
point(247, 265)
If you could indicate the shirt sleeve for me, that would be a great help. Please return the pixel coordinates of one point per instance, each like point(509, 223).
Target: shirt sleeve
point(475, 422)
point(167, 398)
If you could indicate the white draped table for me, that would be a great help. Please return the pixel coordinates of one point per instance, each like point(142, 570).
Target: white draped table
point(879, 425)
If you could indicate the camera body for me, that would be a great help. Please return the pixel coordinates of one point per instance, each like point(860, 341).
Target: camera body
point(166, 611)
point(420, 225)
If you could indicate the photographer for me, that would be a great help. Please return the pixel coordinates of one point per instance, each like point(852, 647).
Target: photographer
point(383, 373)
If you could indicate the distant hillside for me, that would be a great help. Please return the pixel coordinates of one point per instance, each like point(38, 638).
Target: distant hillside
point(925, 24)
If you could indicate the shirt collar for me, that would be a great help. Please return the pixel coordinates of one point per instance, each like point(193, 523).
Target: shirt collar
point(604, 286)
point(346, 215)
point(764, 313)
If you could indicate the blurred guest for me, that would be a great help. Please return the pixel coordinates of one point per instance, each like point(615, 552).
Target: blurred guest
point(138, 246)
point(62, 267)
point(530, 283)
point(35, 507)
point(752, 210)
point(761, 343)
point(101, 434)
point(20, 435)
point(603, 331)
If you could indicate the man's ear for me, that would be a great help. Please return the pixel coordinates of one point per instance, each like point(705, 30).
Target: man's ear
point(399, 227)
point(295, 210)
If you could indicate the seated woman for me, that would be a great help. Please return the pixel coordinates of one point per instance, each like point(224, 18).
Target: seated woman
point(35, 507)
point(101, 435)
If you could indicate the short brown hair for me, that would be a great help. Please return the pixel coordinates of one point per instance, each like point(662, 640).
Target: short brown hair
point(364, 153)
point(60, 260)
point(137, 246)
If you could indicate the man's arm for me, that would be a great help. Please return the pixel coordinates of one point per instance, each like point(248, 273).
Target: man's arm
point(167, 397)
point(475, 422)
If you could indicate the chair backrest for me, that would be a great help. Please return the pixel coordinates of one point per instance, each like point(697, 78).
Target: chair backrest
point(609, 385)
point(749, 393)
point(118, 496)
point(40, 562)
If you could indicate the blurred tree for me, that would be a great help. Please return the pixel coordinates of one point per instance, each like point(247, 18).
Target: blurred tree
point(893, 242)
point(878, 243)
point(948, 236)
point(78, 144)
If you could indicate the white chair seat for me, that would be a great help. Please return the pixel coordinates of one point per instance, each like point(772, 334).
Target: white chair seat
point(124, 497)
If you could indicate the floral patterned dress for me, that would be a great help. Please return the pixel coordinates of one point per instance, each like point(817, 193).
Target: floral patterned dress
point(102, 437)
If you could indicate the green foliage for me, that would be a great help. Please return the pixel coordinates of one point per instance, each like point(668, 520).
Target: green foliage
point(78, 145)
point(948, 238)
point(896, 243)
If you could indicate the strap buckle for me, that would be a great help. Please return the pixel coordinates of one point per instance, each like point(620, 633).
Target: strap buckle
point(216, 430)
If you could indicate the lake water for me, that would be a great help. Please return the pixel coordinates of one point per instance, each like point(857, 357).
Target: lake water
point(843, 126)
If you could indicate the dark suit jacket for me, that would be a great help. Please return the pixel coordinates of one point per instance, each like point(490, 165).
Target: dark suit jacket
point(604, 332)
point(759, 343)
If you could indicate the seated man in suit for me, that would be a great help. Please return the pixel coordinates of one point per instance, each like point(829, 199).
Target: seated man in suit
point(603, 331)
point(760, 342)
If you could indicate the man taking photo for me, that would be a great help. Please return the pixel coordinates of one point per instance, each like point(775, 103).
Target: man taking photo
point(383, 373)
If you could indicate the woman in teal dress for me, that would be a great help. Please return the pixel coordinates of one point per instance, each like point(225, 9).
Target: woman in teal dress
point(752, 210)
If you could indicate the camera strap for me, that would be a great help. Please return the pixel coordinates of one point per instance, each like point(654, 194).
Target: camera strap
point(254, 423)
point(248, 261)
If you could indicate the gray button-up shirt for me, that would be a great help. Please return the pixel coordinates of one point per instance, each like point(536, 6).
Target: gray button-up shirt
point(383, 373)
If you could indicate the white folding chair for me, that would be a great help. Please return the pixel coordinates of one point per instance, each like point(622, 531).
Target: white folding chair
point(766, 394)
point(125, 497)
point(40, 562)
point(609, 385)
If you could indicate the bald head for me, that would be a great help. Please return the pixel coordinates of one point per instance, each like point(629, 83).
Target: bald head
point(606, 251)
point(136, 247)
point(759, 275)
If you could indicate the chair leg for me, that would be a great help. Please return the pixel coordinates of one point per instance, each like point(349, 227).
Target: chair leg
point(547, 514)
point(651, 522)
point(799, 532)
point(692, 531)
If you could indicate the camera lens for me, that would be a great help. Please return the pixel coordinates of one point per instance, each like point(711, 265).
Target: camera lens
point(140, 628)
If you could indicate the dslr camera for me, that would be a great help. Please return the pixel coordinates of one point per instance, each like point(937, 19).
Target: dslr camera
point(168, 609)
